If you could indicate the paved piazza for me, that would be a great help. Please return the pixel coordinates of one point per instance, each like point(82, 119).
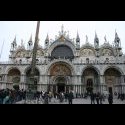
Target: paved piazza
point(75, 101)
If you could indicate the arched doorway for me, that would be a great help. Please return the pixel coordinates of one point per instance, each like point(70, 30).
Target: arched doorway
point(90, 80)
point(60, 77)
point(61, 84)
point(112, 79)
point(13, 76)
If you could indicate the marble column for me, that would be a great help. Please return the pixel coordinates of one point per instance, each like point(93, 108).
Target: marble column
point(22, 78)
point(80, 88)
point(102, 83)
point(122, 79)
point(5, 78)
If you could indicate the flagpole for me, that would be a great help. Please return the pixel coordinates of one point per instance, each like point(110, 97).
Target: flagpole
point(32, 85)
point(33, 64)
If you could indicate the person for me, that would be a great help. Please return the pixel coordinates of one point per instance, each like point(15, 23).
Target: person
point(97, 98)
point(110, 99)
point(46, 98)
point(101, 98)
point(92, 97)
point(66, 96)
point(70, 97)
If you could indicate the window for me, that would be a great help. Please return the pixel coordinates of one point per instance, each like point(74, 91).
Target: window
point(62, 52)
point(87, 60)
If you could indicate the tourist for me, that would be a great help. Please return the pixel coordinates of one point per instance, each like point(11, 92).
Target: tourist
point(110, 99)
point(92, 97)
point(101, 98)
point(46, 98)
point(97, 97)
point(70, 97)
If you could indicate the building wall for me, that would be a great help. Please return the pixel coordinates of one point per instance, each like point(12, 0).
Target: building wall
point(105, 59)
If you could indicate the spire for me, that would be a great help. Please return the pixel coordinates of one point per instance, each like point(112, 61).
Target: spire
point(86, 39)
point(77, 34)
point(105, 39)
point(15, 43)
point(47, 37)
point(96, 41)
point(30, 43)
point(30, 38)
point(22, 44)
point(77, 37)
point(117, 40)
point(62, 29)
point(14, 40)
point(47, 41)
point(116, 35)
point(77, 41)
point(96, 35)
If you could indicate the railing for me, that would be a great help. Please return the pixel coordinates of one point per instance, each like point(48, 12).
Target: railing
point(74, 61)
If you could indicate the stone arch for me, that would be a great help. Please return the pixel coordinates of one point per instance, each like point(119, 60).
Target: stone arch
point(113, 79)
point(114, 67)
point(112, 76)
point(57, 77)
point(13, 75)
point(60, 71)
point(87, 67)
point(62, 51)
point(58, 43)
point(90, 78)
point(62, 64)
point(66, 62)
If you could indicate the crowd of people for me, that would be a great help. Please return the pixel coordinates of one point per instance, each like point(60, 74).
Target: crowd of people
point(9, 96)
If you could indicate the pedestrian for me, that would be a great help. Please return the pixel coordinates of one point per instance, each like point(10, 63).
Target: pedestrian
point(97, 98)
point(101, 98)
point(70, 97)
point(92, 97)
point(46, 98)
point(110, 99)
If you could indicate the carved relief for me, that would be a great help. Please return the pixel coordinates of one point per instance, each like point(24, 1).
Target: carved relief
point(111, 76)
point(14, 76)
point(107, 52)
point(21, 54)
point(40, 53)
point(87, 52)
point(60, 69)
point(110, 80)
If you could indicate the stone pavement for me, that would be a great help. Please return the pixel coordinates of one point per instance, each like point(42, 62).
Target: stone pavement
point(75, 101)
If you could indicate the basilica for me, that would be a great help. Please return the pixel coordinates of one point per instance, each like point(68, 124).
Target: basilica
point(63, 65)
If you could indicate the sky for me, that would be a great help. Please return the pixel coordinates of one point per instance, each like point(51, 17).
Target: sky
point(23, 30)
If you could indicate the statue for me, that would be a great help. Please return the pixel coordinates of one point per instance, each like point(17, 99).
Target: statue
point(12, 46)
point(62, 29)
point(105, 39)
point(86, 39)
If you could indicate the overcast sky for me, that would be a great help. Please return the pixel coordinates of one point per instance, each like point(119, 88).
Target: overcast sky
point(24, 29)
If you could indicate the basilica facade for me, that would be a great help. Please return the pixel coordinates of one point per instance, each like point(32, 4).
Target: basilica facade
point(63, 65)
